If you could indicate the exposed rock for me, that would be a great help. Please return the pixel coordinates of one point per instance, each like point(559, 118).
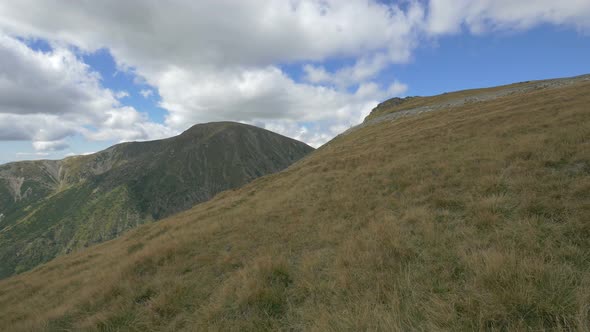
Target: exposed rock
point(15, 184)
point(482, 97)
point(52, 167)
point(390, 103)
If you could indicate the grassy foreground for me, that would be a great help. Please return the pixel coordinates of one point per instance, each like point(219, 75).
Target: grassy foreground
point(471, 218)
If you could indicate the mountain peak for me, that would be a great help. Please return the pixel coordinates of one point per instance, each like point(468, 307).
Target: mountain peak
point(93, 198)
point(219, 126)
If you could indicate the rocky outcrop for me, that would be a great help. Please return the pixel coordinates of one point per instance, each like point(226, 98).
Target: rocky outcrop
point(396, 101)
point(523, 87)
point(15, 184)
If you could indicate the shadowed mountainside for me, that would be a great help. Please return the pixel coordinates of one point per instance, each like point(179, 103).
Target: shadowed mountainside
point(49, 208)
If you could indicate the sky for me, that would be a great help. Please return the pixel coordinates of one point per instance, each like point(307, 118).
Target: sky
point(79, 76)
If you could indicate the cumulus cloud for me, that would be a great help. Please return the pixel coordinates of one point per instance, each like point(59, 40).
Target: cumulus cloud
point(121, 94)
point(35, 127)
point(55, 82)
point(146, 93)
point(266, 97)
point(219, 32)
point(50, 145)
point(397, 89)
point(363, 70)
point(479, 16)
point(226, 67)
point(46, 97)
point(126, 124)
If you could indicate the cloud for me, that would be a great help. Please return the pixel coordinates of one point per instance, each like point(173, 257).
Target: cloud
point(250, 32)
point(52, 83)
point(121, 94)
point(480, 16)
point(126, 124)
point(267, 97)
point(363, 70)
point(50, 145)
point(226, 67)
point(35, 127)
point(397, 89)
point(46, 97)
point(146, 93)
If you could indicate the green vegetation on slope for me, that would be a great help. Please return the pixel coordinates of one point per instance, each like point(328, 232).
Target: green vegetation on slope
point(22, 185)
point(54, 207)
point(470, 218)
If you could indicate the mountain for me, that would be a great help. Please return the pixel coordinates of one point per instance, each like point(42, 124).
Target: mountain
point(48, 208)
point(459, 212)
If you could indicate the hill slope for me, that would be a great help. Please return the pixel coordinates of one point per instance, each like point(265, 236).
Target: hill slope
point(472, 217)
point(52, 207)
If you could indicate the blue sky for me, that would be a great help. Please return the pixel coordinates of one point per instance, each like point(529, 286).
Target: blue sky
point(467, 61)
point(74, 89)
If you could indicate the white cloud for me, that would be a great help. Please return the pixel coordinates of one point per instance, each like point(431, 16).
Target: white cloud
point(52, 83)
point(50, 145)
point(146, 93)
point(126, 124)
point(479, 16)
point(266, 97)
point(121, 94)
point(363, 70)
point(249, 32)
point(316, 74)
point(225, 67)
point(46, 97)
point(397, 89)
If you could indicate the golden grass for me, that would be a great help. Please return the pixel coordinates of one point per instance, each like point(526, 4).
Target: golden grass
point(471, 95)
point(475, 218)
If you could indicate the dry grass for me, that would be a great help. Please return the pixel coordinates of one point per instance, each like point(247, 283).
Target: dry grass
point(450, 98)
point(475, 218)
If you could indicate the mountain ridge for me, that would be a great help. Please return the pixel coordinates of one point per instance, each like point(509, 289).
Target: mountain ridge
point(140, 181)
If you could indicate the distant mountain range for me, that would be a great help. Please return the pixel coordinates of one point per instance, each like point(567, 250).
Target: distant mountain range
point(48, 208)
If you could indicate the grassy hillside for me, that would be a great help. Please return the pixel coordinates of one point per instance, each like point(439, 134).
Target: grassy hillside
point(473, 217)
point(50, 208)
